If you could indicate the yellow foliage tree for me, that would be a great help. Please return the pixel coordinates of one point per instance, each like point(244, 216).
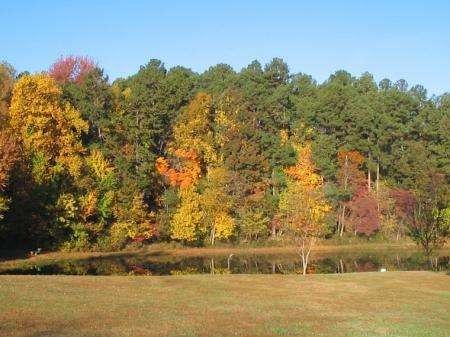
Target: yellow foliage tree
point(192, 153)
point(135, 222)
point(216, 204)
point(225, 118)
point(49, 129)
point(98, 164)
point(193, 131)
point(7, 74)
point(303, 205)
point(304, 171)
point(223, 226)
point(187, 220)
point(95, 194)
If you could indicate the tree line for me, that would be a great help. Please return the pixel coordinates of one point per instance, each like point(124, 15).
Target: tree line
point(259, 154)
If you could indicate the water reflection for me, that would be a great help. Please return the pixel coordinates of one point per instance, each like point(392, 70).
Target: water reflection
point(239, 264)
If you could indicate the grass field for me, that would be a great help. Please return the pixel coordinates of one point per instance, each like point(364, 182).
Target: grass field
point(366, 304)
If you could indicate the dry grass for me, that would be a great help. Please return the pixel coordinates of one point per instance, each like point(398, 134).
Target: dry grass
point(367, 304)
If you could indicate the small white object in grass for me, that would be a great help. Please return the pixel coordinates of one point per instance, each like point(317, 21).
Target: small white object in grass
point(383, 270)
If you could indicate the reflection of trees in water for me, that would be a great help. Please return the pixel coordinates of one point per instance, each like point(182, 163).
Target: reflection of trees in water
point(239, 264)
point(416, 261)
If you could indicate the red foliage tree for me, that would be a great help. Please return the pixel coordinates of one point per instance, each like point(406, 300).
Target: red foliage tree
point(356, 201)
point(71, 69)
point(405, 202)
point(365, 216)
point(351, 181)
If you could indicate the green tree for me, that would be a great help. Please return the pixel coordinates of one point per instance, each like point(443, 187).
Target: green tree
point(429, 224)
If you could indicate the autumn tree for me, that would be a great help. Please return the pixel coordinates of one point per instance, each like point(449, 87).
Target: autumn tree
point(186, 224)
point(191, 154)
point(303, 205)
point(404, 204)
point(187, 168)
point(137, 130)
point(48, 129)
point(209, 156)
point(194, 152)
point(365, 215)
point(255, 221)
point(193, 130)
point(135, 222)
point(356, 201)
point(71, 69)
point(186, 218)
point(10, 156)
point(93, 198)
point(49, 132)
point(7, 74)
point(217, 204)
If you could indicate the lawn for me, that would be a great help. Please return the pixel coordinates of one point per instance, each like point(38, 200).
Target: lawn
point(366, 304)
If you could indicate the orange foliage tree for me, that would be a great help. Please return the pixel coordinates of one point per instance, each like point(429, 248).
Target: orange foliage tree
point(187, 173)
point(190, 150)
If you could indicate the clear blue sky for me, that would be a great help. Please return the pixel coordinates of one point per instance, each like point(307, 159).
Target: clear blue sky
point(395, 39)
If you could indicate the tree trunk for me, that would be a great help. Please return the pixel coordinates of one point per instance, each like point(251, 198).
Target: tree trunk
point(377, 186)
point(346, 173)
point(99, 133)
point(338, 229)
point(342, 221)
point(273, 231)
point(369, 179)
point(229, 261)
point(212, 266)
point(342, 215)
point(213, 235)
point(304, 265)
point(378, 178)
point(274, 188)
point(305, 251)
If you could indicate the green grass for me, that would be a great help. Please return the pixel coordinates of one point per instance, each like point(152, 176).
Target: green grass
point(366, 304)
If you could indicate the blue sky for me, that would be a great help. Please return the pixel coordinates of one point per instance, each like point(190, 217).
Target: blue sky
point(394, 39)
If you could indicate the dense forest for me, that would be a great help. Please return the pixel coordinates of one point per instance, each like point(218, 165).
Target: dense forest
point(220, 156)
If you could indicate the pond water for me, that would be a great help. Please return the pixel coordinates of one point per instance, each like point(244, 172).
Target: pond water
point(237, 264)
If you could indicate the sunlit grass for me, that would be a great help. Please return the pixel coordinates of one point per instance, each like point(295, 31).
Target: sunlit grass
point(366, 304)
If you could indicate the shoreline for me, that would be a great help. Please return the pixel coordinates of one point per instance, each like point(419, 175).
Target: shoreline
point(164, 251)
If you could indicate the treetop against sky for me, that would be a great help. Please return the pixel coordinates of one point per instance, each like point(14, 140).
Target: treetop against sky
point(389, 39)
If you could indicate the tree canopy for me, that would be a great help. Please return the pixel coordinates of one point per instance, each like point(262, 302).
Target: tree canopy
point(223, 155)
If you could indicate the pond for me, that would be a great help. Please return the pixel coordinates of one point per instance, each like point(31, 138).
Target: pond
point(129, 264)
